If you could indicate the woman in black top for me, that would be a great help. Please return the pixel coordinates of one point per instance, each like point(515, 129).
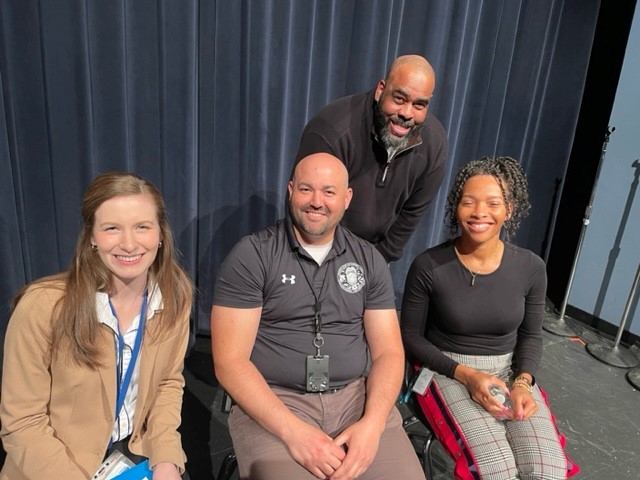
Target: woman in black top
point(472, 313)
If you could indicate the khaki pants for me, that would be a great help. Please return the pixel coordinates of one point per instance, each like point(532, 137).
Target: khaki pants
point(262, 456)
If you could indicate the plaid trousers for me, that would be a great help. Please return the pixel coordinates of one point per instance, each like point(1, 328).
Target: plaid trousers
point(484, 447)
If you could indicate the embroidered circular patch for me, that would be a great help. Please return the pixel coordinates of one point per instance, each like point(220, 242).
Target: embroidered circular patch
point(351, 277)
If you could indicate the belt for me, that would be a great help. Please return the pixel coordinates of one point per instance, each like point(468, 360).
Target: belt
point(326, 392)
point(304, 392)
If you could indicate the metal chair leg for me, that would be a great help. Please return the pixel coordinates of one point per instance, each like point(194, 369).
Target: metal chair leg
point(229, 465)
point(424, 453)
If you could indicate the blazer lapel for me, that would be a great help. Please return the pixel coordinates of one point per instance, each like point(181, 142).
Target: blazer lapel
point(149, 350)
point(148, 360)
point(107, 371)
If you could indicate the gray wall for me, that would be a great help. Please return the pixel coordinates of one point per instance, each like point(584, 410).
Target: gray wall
point(610, 254)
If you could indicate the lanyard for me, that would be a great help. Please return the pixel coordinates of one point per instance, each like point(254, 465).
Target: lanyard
point(318, 340)
point(123, 383)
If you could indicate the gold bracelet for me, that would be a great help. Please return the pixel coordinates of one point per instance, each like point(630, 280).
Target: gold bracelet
point(520, 383)
point(524, 379)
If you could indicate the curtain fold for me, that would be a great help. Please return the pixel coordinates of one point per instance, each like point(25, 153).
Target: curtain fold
point(208, 100)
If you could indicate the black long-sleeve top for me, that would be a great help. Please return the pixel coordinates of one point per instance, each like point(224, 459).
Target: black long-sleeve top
point(390, 195)
point(501, 312)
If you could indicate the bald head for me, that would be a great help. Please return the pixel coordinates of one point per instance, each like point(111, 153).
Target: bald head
point(319, 194)
point(413, 63)
point(323, 164)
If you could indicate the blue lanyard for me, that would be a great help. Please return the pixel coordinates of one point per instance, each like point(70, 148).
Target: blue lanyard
point(123, 383)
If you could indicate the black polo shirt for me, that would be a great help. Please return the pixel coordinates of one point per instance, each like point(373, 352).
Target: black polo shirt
point(270, 269)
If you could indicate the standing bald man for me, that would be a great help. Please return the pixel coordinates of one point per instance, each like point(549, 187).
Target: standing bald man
point(305, 339)
point(394, 152)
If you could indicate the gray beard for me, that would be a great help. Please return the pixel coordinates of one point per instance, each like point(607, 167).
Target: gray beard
point(390, 142)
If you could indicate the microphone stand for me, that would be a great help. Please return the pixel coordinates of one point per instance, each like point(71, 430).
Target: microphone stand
point(558, 325)
point(615, 354)
point(633, 376)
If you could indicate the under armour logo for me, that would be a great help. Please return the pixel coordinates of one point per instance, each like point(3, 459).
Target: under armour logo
point(286, 279)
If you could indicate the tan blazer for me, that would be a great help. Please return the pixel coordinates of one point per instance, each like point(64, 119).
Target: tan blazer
point(57, 417)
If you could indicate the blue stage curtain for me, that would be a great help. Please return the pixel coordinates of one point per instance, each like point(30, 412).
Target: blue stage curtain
point(208, 100)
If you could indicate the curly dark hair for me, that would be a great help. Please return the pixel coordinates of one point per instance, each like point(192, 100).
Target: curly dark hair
point(512, 181)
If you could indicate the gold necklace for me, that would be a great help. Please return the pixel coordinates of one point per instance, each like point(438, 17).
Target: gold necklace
point(473, 274)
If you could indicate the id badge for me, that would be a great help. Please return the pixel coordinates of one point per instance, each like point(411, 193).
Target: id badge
point(115, 464)
point(422, 382)
point(317, 373)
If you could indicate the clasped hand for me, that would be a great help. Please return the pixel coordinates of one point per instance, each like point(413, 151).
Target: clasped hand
point(523, 405)
point(344, 458)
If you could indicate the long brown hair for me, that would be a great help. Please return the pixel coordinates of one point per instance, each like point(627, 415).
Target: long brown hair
point(75, 322)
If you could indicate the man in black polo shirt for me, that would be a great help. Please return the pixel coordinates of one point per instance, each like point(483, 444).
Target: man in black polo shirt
point(305, 339)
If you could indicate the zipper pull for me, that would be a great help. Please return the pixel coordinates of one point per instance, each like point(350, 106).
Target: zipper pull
point(383, 179)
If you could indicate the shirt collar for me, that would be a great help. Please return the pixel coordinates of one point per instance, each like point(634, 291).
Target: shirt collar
point(338, 247)
point(106, 316)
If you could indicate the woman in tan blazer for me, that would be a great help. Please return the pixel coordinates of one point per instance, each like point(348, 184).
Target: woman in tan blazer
point(108, 334)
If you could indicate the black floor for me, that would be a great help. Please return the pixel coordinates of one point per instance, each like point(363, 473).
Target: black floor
point(597, 409)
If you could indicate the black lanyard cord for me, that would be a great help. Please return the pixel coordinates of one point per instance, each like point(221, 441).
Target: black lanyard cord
point(318, 341)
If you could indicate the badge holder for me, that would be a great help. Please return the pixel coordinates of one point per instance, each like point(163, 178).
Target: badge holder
point(318, 364)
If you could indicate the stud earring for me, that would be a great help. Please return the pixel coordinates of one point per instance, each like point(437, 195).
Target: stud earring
point(94, 248)
point(160, 244)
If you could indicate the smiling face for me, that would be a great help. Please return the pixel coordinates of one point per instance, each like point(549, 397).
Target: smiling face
point(482, 209)
point(318, 196)
point(127, 234)
point(402, 104)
